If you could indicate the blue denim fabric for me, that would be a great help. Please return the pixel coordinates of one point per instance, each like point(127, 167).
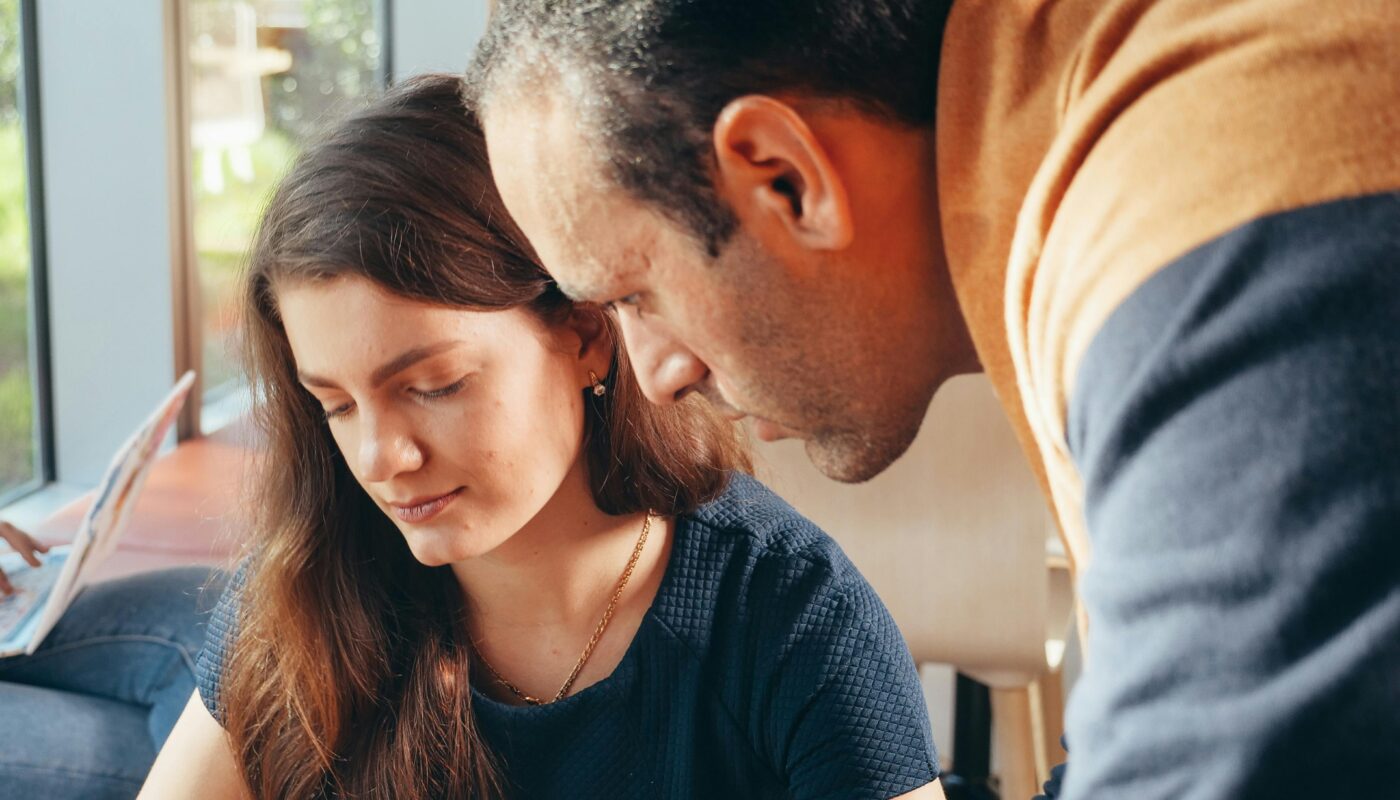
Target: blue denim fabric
point(85, 715)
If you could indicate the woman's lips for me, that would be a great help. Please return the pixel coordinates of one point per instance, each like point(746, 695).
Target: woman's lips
point(423, 510)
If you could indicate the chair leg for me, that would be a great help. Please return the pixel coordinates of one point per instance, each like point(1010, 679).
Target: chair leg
point(1026, 727)
point(1014, 742)
point(1047, 697)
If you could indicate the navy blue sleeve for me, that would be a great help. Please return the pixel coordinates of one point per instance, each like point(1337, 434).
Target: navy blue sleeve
point(846, 716)
point(218, 644)
point(1237, 425)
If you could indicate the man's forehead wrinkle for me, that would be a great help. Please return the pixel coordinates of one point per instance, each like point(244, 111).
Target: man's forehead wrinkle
point(538, 149)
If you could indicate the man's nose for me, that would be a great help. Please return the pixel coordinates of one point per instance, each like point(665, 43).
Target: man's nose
point(666, 369)
point(386, 449)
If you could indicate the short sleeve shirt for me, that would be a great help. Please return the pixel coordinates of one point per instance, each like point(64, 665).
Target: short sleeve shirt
point(766, 667)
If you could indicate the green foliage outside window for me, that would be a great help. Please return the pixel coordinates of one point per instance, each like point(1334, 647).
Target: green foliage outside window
point(9, 60)
point(16, 395)
point(335, 62)
point(338, 59)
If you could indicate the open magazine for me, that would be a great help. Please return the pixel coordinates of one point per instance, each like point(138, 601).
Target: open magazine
point(46, 591)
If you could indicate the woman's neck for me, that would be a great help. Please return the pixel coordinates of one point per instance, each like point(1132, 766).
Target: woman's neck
point(535, 601)
point(555, 572)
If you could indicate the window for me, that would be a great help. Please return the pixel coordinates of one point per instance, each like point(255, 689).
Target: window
point(263, 74)
point(20, 465)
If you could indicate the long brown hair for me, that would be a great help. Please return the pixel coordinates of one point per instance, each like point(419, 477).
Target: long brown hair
point(350, 675)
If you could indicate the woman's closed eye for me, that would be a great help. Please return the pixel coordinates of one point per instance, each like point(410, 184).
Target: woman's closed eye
point(446, 391)
point(344, 410)
point(338, 411)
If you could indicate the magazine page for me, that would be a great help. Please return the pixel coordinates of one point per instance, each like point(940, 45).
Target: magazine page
point(111, 508)
point(19, 613)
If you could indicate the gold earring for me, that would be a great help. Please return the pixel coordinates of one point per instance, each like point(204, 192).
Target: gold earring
point(598, 388)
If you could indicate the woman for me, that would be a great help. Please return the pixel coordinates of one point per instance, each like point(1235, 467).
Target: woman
point(486, 567)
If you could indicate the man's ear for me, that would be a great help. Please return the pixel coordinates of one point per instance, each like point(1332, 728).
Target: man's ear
point(597, 338)
point(772, 166)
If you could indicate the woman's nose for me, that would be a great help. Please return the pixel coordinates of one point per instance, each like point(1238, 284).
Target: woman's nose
point(387, 449)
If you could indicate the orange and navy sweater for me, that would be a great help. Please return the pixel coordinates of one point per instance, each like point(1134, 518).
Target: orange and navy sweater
point(1174, 229)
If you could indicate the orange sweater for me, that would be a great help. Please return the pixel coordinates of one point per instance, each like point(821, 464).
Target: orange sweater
point(1086, 144)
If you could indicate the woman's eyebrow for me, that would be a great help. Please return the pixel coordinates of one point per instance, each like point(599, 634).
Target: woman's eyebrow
point(391, 368)
point(411, 357)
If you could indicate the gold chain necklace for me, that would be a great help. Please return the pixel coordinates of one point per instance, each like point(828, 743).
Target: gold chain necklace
point(592, 642)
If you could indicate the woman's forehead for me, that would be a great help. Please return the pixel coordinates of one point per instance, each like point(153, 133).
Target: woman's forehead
point(355, 320)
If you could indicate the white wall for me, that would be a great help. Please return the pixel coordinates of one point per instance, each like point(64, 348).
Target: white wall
point(434, 35)
point(106, 152)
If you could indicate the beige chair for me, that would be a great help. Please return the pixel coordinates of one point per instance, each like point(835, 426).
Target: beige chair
point(957, 540)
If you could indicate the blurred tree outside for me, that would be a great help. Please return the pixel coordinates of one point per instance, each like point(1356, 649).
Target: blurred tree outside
point(16, 394)
point(312, 60)
point(9, 59)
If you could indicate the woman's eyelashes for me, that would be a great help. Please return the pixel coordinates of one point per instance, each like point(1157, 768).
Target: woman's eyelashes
point(450, 389)
point(446, 391)
point(338, 411)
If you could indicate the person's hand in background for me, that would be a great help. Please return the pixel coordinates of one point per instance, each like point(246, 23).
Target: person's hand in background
point(25, 545)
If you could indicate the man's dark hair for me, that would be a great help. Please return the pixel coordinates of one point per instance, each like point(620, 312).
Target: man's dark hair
point(650, 77)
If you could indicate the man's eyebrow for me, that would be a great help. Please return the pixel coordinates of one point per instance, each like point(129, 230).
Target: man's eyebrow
point(579, 293)
point(591, 282)
point(393, 367)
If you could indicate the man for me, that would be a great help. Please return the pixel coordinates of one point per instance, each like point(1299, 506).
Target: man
point(1168, 231)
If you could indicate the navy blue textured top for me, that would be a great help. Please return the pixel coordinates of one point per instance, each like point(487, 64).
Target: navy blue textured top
point(766, 667)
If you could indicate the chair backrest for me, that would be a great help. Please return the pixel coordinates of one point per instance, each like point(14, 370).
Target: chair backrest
point(953, 537)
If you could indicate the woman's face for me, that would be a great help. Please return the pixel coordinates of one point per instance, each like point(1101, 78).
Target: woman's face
point(461, 425)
